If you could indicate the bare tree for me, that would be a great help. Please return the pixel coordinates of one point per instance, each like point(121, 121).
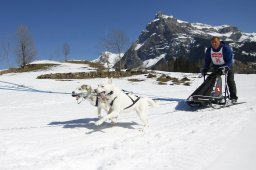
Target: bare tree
point(26, 51)
point(116, 42)
point(66, 50)
point(105, 59)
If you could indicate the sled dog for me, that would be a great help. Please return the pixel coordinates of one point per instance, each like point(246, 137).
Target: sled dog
point(119, 101)
point(85, 92)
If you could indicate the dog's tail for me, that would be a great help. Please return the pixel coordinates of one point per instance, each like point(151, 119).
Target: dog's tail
point(151, 102)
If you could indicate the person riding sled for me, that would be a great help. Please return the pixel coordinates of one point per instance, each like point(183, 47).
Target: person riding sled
point(219, 55)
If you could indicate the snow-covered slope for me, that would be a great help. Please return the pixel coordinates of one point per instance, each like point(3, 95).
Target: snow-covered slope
point(108, 59)
point(43, 128)
point(226, 31)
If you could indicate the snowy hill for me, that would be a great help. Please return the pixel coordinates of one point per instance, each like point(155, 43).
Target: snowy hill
point(108, 59)
point(43, 128)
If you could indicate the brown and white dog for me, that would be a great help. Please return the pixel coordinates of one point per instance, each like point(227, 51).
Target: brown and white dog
point(85, 92)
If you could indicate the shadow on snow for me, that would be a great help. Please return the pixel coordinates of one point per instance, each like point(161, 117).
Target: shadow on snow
point(181, 104)
point(89, 123)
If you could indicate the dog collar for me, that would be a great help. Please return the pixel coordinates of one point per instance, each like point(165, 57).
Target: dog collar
point(110, 93)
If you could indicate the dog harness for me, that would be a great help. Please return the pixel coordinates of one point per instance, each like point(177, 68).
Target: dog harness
point(97, 101)
point(133, 101)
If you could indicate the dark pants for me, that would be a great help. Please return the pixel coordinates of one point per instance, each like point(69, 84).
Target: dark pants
point(231, 84)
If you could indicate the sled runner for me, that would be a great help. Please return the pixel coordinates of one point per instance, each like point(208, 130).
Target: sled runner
point(211, 90)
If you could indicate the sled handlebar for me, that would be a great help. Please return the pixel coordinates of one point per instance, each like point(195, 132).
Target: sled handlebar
point(221, 71)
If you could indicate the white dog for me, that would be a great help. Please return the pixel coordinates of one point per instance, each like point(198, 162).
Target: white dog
point(85, 92)
point(119, 101)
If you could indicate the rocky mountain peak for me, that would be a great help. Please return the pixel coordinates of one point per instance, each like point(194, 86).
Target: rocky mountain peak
point(167, 39)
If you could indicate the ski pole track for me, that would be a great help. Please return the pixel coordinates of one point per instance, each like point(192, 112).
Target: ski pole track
point(25, 128)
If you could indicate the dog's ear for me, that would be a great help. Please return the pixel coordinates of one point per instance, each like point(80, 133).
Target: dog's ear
point(83, 86)
point(89, 89)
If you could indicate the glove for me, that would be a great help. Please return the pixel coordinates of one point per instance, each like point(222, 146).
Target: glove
point(219, 71)
point(222, 70)
point(226, 69)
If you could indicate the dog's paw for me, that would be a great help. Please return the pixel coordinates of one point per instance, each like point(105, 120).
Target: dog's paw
point(144, 129)
point(113, 121)
point(100, 116)
point(99, 122)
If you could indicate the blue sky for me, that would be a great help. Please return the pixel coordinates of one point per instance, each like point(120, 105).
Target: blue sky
point(83, 23)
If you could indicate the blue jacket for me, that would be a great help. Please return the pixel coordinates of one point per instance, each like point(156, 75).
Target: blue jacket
point(227, 56)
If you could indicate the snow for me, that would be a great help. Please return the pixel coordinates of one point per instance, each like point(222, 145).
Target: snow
point(241, 156)
point(150, 62)
point(202, 26)
point(64, 67)
point(45, 62)
point(248, 36)
point(199, 27)
point(246, 53)
point(42, 127)
point(109, 59)
point(138, 46)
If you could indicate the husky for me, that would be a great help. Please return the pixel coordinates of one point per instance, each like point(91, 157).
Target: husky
point(85, 92)
point(118, 101)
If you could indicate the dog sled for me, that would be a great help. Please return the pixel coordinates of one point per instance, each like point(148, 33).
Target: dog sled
point(212, 91)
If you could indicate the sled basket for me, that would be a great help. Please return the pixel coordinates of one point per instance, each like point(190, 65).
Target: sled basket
point(210, 91)
point(200, 100)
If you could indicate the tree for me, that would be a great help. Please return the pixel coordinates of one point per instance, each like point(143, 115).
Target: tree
point(105, 59)
point(116, 42)
point(26, 51)
point(66, 50)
